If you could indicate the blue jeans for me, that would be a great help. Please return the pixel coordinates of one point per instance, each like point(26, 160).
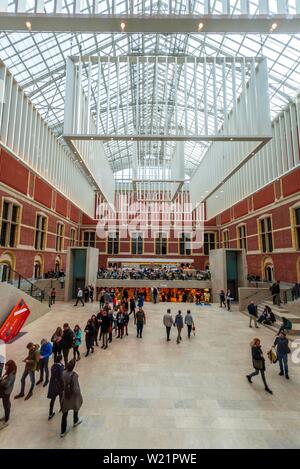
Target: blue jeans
point(283, 362)
point(23, 380)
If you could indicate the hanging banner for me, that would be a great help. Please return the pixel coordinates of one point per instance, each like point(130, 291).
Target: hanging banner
point(14, 322)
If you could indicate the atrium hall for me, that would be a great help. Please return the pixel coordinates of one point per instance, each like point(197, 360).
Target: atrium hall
point(150, 151)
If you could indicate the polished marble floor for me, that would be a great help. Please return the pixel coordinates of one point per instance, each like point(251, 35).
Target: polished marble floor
point(151, 393)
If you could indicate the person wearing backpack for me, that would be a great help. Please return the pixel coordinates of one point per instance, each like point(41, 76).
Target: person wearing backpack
point(6, 386)
point(282, 344)
point(45, 354)
point(189, 321)
point(56, 384)
point(71, 399)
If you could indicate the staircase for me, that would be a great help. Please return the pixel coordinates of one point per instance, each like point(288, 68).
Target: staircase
point(280, 312)
point(21, 283)
point(47, 284)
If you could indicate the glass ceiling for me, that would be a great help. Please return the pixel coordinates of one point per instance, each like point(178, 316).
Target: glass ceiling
point(37, 61)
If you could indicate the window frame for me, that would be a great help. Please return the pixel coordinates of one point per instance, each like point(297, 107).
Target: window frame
point(113, 243)
point(206, 252)
point(60, 234)
point(136, 243)
point(9, 222)
point(40, 229)
point(88, 245)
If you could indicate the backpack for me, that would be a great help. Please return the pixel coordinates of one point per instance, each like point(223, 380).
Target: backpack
point(69, 388)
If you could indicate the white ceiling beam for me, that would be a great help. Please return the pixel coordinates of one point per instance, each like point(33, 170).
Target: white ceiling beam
point(167, 24)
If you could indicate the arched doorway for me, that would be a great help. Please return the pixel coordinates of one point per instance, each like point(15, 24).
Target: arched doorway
point(7, 264)
point(268, 270)
point(38, 267)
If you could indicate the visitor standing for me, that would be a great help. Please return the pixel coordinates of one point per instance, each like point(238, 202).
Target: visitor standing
point(52, 296)
point(72, 398)
point(179, 324)
point(45, 354)
point(62, 281)
point(168, 322)
point(67, 342)
point(56, 384)
point(258, 363)
point(189, 321)
point(77, 342)
point(140, 322)
point(104, 329)
point(6, 387)
point(282, 348)
point(222, 298)
point(56, 342)
point(89, 337)
point(252, 311)
point(132, 306)
point(155, 295)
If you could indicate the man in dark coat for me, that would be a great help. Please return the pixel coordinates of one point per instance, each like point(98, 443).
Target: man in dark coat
point(56, 385)
point(66, 342)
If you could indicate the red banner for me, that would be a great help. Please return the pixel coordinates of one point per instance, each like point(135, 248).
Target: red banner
point(14, 322)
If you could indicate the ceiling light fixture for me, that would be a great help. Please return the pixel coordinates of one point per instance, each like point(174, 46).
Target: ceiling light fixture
point(273, 27)
point(28, 25)
point(123, 26)
point(200, 26)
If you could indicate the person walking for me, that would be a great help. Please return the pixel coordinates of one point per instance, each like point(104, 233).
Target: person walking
point(222, 299)
point(141, 301)
point(86, 293)
point(140, 322)
point(92, 293)
point(52, 296)
point(6, 387)
point(189, 321)
point(132, 306)
point(89, 337)
point(67, 342)
point(126, 320)
point(282, 348)
point(31, 365)
point(56, 342)
point(168, 322)
point(72, 398)
point(56, 384)
point(258, 363)
point(228, 300)
point(77, 342)
point(79, 296)
point(45, 354)
point(179, 324)
point(252, 311)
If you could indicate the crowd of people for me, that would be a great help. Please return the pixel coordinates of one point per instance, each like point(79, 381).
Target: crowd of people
point(65, 347)
point(100, 330)
point(159, 273)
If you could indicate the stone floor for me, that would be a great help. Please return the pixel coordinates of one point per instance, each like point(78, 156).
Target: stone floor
point(151, 393)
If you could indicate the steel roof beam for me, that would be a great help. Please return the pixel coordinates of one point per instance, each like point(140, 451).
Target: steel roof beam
point(166, 24)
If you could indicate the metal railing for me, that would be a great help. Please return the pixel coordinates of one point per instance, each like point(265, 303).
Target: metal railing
point(17, 280)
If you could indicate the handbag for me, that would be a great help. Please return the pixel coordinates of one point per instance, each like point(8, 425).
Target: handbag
point(258, 364)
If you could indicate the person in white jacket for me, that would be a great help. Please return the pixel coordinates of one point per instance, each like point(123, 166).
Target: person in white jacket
point(168, 322)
